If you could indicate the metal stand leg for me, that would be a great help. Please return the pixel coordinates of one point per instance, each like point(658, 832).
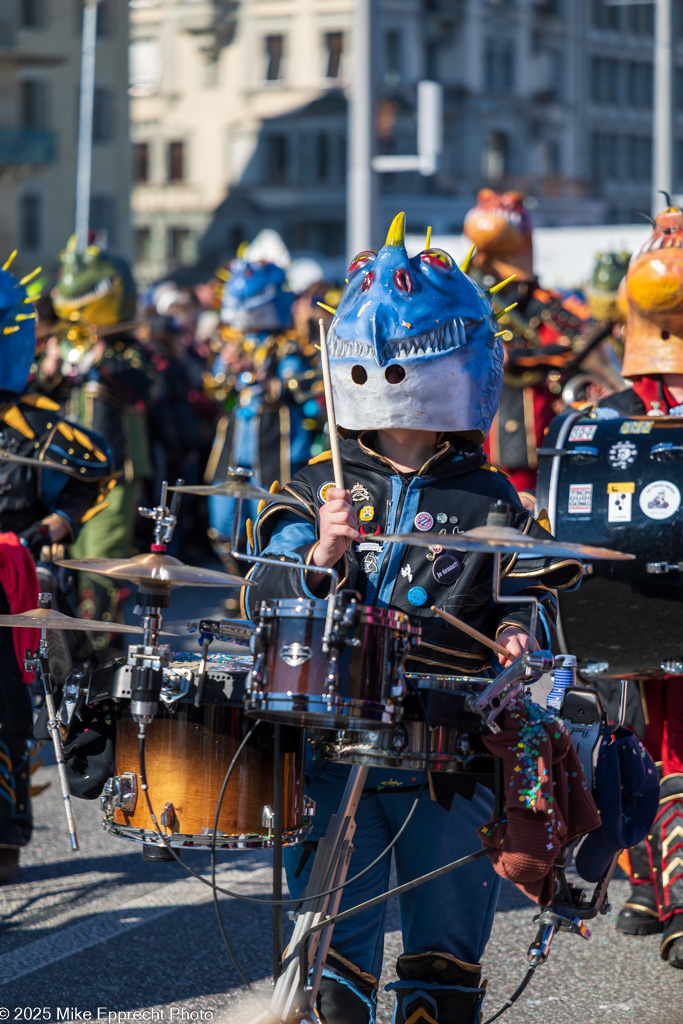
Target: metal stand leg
point(278, 814)
point(294, 997)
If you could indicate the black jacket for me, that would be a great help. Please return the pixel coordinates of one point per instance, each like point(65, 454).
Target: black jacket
point(454, 490)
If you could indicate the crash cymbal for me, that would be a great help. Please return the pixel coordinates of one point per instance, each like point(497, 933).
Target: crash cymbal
point(237, 489)
point(502, 540)
point(48, 618)
point(155, 568)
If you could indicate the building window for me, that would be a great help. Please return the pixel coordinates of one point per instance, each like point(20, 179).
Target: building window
point(32, 13)
point(639, 84)
point(276, 158)
point(140, 162)
point(322, 156)
point(274, 53)
point(606, 80)
point(179, 246)
point(144, 67)
point(143, 244)
point(33, 104)
point(103, 220)
point(334, 46)
point(393, 52)
point(103, 126)
point(176, 161)
point(496, 157)
point(30, 221)
point(499, 60)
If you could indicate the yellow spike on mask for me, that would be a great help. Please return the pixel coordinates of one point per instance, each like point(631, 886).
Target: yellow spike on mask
point(330, 309)
point(428, 239)
point(500, 334)
point(465, 266)
point(9, 330)
point(29, 277)
point(29, 299)
point(506, 310)
point(25, 316)
point(10, 259)
point(397, 232)
point(501, 284)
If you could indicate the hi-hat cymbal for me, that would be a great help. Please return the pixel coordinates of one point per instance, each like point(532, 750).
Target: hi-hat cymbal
point(49, 618)
point(237, 489)
point(502, 540)
point(155, 568)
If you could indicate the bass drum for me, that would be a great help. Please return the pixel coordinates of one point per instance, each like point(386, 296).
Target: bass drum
point(618, 483)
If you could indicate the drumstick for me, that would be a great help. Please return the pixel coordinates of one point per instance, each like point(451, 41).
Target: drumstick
point(471, 631)
point(329, 404)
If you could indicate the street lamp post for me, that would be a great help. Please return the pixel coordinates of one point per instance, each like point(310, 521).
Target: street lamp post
point(85, 119)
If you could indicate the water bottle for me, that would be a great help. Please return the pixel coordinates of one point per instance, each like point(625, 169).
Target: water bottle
point(564, 675)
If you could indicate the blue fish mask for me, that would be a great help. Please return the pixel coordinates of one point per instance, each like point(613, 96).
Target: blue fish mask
point(17, 335)
point(412, 344)
point(254, 299)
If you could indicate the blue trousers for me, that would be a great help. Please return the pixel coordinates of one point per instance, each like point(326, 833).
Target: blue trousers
point(453, 914)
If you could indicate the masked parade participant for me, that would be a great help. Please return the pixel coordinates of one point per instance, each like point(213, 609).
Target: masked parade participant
point(539, 331)
point(265, 375)
point(653, 361)
point(111, 383)
point(38, 507)
point(416, 371)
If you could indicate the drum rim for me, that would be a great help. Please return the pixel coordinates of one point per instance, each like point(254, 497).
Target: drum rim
point(248, 841)
point(395, 618)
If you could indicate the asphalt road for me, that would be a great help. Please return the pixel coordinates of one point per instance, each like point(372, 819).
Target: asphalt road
point(101, 932)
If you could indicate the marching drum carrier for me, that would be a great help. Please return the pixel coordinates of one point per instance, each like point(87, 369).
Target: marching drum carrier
point(618, 483)
point(188, 751)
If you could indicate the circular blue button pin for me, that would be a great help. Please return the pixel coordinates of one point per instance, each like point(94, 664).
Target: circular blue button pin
point(417, 596)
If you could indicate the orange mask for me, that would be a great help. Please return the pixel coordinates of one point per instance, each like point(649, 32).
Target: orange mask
point(500, 227)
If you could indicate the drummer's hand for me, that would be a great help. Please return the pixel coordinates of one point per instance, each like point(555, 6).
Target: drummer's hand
point(516, 641)
point(338, 527)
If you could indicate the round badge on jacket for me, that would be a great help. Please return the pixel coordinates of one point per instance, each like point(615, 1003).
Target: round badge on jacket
point(424, 521)
point(417, 596)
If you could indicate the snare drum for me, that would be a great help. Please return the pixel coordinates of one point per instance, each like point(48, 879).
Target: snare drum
point(187, 754)
point(436, 731)
point(295, 682)
point(618, 483)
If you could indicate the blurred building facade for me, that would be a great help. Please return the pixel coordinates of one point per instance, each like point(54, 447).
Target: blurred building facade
point(40, 43)
point(239, 116)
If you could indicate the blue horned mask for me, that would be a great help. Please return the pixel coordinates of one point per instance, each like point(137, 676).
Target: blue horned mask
point(254, 299)
point(17, 335)
point(412, 344)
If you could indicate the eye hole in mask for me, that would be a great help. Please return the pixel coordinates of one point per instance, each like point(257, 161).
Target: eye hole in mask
point(437, 258)
point(361, 260)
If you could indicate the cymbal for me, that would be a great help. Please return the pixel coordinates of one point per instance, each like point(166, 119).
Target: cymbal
point(502, 540)
point(155, 568)
point(238, 489)
point(22, 460)
point(49, 618)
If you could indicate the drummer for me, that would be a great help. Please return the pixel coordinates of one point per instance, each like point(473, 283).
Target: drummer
point(653, 360)
point(38, 507)
point(416, 374)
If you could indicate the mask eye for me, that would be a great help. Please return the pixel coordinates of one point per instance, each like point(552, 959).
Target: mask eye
point(437, 258)
point(361, 260)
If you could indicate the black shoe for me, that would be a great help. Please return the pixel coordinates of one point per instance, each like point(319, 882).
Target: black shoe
point(9, 864)
point(676, 953)
point(639, 916)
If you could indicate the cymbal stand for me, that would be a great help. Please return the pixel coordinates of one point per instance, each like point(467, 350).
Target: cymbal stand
point(293, 999)
point(148, 659)
point(38, 662)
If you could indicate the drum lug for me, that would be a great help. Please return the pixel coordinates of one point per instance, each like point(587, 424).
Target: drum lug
point(268, 819)
point(309, 807)
point(254, 683)
point(120, 792)
point(169, 818)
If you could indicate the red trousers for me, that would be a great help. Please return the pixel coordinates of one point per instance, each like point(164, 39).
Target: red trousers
point(663, 700)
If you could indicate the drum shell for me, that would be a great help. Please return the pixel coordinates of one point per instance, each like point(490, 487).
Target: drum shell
point(625, 619)
point(365, 668)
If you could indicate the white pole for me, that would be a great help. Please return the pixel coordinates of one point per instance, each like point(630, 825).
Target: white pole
point(85, 118)
point(662, 127)
point(360, 176)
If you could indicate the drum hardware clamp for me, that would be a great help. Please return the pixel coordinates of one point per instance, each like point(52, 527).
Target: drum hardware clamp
point(661, 568)
point(120, 792)
point(492, 701)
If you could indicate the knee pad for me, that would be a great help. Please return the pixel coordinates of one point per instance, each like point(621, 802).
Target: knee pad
point(436, 988)
point(346, 995)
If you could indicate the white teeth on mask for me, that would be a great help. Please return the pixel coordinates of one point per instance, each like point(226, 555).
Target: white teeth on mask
point(101, 288)
point(260, 299)
point(450, 336)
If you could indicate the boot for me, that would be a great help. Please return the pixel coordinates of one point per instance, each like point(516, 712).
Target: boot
point(346, 995)
point(639, 915)
point(665, 843)
point(9, 864)
point(435, 988)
